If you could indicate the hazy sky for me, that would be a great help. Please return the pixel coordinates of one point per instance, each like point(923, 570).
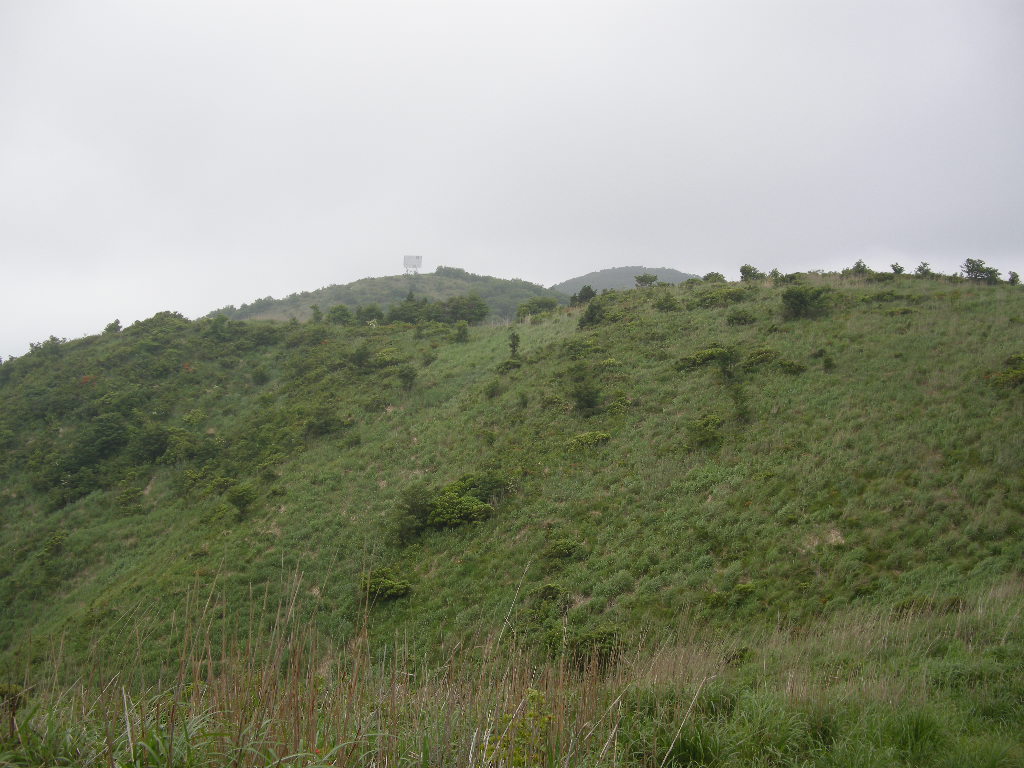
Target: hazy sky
point(187, 154)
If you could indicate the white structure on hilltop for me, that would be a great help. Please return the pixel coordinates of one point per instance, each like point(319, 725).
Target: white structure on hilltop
point(413, 264)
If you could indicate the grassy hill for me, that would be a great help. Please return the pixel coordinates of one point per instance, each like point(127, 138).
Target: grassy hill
point(619, 278)
point(503, 297)
point(748, 523)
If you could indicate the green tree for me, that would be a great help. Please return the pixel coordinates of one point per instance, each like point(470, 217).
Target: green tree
point(975, 269)
point(470, 309)
point(859, 269)
point(714, 277)
point(318, 315)
point(1013, 279)
point(585, 294)
point(897, 269)
point(513, 344)
point(370, 313)
point(646, 280)
point(750, 273)
point(339, 314)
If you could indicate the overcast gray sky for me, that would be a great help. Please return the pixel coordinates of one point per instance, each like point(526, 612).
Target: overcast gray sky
point(187, 154)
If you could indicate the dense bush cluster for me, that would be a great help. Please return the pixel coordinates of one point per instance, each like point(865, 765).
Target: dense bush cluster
point(805, 301)
point(384, 584)
point(470, 499)
point(469, 309)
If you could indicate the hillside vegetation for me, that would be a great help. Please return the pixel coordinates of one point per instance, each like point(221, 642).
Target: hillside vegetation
point(706, 524)
point(619, 278)
point(502, 297)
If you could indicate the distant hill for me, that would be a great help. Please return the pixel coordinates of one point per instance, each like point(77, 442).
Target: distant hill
point(503, 297)
point(618, 278)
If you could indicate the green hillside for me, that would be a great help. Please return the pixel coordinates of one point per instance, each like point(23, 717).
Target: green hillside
point(705, 524)
point(501, 296)
point(619, 278)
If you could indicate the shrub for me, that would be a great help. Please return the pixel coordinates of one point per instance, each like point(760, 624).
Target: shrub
point(549, 593)
point(536, 306)
point(593, 315)
point(407, 375)
point(469, 499)
point(792, 367)
point(522, 740)
point(705, 432)
point(489, 485)
point(666, 302)
point(339, 314)
point(760, 357)
point(714, 277)
point(598, 646)
point(1013, 375)
point(793, 278)
point(449, 509)
point(975, 269)
point(413, 511)
point(802, 301)
point(739, 316)
point(586, 293)
point(588, 440)
point(859, 269)
point(12, 698)
point(587, 397)
point(722, 296)
point(384, 584)
point(562, 548)
point(508, 366)
point(242, 497)
point(749, 273)
point(723, 356)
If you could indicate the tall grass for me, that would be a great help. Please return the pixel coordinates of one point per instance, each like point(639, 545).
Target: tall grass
point(928, 684)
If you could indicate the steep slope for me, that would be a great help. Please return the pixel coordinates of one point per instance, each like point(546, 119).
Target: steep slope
point(690, 451)
point(503, 297)
point(619, 278)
